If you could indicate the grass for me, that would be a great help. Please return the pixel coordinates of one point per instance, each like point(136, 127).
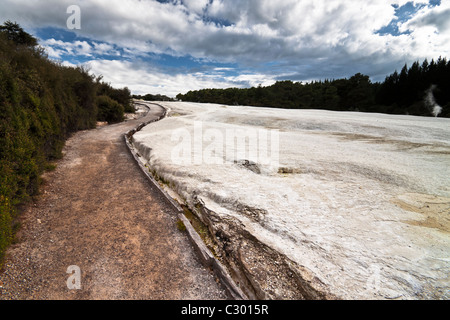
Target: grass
point(180, 225)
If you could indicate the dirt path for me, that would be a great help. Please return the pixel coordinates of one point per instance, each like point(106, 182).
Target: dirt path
point(98, 212)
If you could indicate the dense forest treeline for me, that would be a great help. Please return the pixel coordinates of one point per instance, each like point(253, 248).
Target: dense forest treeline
point(153, 97)
point(41, 104)
point(422, 89)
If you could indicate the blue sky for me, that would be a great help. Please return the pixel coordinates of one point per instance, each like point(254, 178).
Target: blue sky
point(171, 47)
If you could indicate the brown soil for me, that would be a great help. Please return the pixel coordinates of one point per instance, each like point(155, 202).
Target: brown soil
point(98, 212)
point(434, 210)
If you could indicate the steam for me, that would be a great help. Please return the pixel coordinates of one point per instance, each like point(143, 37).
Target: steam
point(431, 102)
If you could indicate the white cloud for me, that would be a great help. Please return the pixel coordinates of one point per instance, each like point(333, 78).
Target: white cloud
point(53, 53)
point(103, 48)
point(316, 38)
point(142, 78)
point(251, 79)
point(429, 31)
point(197, 6)
point(292, 24)
point(58, 48)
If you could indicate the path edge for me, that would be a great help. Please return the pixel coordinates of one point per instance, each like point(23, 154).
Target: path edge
point(205, 255)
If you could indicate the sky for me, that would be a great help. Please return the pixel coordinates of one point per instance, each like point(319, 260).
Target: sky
point(173, 46)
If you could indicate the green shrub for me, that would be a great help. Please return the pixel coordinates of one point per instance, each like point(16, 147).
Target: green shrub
point(5, 225)
point(180, 225)
point(109, 110)
point(41, 104)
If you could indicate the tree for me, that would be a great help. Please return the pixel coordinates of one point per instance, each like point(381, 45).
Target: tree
point(15, 33)
point(400, 93)
point(331, 98)
point(360, 94)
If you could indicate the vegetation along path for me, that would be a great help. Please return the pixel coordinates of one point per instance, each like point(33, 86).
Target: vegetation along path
point(98, 212)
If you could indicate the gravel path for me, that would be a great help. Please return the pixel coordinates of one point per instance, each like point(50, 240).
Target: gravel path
point(99, 213)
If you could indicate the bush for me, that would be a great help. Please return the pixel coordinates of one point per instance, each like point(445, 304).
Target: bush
point(109, 110)
point(41, 104)
point(5, 225)
point(122, 96)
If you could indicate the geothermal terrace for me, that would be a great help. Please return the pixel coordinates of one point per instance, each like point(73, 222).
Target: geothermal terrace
point(312, 203)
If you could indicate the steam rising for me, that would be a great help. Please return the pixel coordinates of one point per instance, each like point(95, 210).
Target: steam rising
point(431, 102)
